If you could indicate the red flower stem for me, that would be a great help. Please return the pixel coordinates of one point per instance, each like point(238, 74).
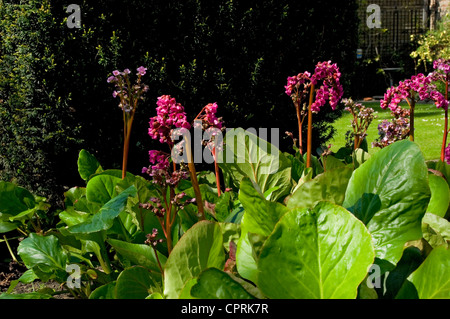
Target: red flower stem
point(216, 167)
point(193, 175)
point(126, 145)
point(411, 121)
point(309, 145)
point(446, 130)
point(300, 124)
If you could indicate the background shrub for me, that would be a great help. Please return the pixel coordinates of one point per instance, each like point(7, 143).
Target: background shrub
point(238, 54)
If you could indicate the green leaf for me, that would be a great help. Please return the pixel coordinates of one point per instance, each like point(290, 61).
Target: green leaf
point(138, 254)
point(320, 253)
point(8, 226)
point(246, 155)
point(201, 247)
point(31, 295)
point(107, 291)
point(329, 186)
point(410, 261)
point(72, 217)
point(136, 283)
point(390, 194)
point(14, 200)
point(216, 284)
point(444, 168)
point(44, 254)
point(432, 279)
point(436, 230)
point(440, 196)
point(260, 217)
point(104, 218)
point(101, 189)
point(88, 165)
point(76, 198)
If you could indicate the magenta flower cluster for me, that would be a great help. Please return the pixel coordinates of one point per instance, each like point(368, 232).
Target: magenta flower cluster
point(447, 154)
point(406, 90)
point(169, 114)
point(331, 89)
point(208, 117)
point(294, 82)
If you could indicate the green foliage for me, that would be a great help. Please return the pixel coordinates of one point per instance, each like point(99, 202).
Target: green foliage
point(435, 44)
point(37, 128)
point(295, 249)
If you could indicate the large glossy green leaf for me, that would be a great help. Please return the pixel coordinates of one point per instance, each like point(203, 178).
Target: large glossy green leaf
point(104, 218)
point(138, 254)
point(216, 284)
point(44, 254)
point(320, 253)
point(14, 200)
point(88, 165)
point(432, 279)
point(390, 194)
point(201, 247)
point(102, 188)
point(328, 186)
point(246, 155)
point(260, 217)
point(136, 283)
point(440, 196)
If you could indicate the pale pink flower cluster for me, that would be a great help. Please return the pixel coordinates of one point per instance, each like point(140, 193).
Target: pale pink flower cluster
point(129, 94)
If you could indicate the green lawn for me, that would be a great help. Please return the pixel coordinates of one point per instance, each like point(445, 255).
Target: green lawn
point(429, 127)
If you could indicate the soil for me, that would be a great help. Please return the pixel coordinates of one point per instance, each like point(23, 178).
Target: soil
point(10, 271)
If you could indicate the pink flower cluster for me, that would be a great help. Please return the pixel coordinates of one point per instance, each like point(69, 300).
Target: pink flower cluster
point(169, 113)
point(209, 118)
point(442, 65)
point(294, 82)
point(420, 84)
point(331, 89)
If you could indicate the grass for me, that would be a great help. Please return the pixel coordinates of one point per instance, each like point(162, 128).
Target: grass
point(429, 128)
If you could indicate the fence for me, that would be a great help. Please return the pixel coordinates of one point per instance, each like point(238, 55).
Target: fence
point(399, 20)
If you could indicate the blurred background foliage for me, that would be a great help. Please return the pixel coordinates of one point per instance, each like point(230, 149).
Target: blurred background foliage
point(54, 98)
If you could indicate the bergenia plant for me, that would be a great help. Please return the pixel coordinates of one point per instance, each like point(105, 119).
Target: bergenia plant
point(442, 73)
point(129, 95)
point(330, 90)
point(418, 88)
point(362, 118)
point(170, 115)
